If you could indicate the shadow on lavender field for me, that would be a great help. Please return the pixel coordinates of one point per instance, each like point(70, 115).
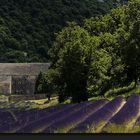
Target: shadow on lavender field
point(103, 116)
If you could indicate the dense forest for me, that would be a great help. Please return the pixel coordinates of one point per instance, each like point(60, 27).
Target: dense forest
point(28, 27)
point(100, 55)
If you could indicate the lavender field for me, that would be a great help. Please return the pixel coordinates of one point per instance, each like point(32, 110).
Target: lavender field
point(103, 116)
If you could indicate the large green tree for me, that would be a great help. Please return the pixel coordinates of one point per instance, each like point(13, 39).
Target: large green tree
point(80, 63)
point(101, 54)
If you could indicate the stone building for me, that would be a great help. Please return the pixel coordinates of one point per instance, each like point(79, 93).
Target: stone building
point(20, 78)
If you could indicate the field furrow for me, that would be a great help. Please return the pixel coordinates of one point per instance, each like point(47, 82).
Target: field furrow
point(75, 118)
point(41, 124)
point(126, 118)
point(99, 119)
point(26, 118)
point(102, 116)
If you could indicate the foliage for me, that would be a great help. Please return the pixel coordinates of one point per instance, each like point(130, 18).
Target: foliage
point(39, 83)
point(79, 62)
point(89, 56)
point(120, 91)
point(99, 55)
point(72, 62)
point(27, 28)
point(45, 83)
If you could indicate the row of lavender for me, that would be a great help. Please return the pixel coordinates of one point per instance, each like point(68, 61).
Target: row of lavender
point(11, 120)
point(117, 116)
point(87, 117)
point(37, 120)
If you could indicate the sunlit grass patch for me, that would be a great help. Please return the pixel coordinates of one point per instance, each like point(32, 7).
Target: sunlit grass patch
point(44, 103)
point(31, 104)
point(39, 102)
point(65, 128)
point(115, 128)
point(126, 127)
point(96, 128)
point(120, 128)
point(96, 98)
point(135, 129)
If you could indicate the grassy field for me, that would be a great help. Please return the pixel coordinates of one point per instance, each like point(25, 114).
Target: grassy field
point(44, 103)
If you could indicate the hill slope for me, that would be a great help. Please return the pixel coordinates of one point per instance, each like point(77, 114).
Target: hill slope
point(27, 27)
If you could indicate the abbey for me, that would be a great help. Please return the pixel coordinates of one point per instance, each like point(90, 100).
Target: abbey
point(20, 78)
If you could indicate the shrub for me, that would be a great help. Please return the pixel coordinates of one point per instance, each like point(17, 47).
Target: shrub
point(120, 90)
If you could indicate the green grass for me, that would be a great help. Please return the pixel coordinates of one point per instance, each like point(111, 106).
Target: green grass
point(114, 128)
point(29, 104)
point(44, 103)
point(120, 91)
point(96, 98)
point(101, 98)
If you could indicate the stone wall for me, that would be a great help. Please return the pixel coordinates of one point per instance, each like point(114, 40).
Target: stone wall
point(22, 68)
point(20, 78)
point(24, 85)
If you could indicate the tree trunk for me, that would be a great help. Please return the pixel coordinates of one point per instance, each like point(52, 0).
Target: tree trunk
point(49, 97)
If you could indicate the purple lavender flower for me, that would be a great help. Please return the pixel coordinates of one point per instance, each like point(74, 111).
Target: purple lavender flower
point(97, 120)
point(129, 114)
point(46, 121)
point(11, 121)
point(75, 118)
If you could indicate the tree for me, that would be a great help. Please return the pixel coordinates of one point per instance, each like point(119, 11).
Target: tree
point(130, 46)
point(31, 28)
point(71, 49)
point(102, 54)
point(39, 83)
point(46, 83)
point(79, 62)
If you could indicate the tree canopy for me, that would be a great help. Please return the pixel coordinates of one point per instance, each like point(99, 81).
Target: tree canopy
point(27, 28)
point(102, 53)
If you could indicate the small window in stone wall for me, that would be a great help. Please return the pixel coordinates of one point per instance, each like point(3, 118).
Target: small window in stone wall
point(24, 85)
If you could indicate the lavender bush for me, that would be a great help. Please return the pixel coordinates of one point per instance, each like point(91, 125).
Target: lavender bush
point(97, 120)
